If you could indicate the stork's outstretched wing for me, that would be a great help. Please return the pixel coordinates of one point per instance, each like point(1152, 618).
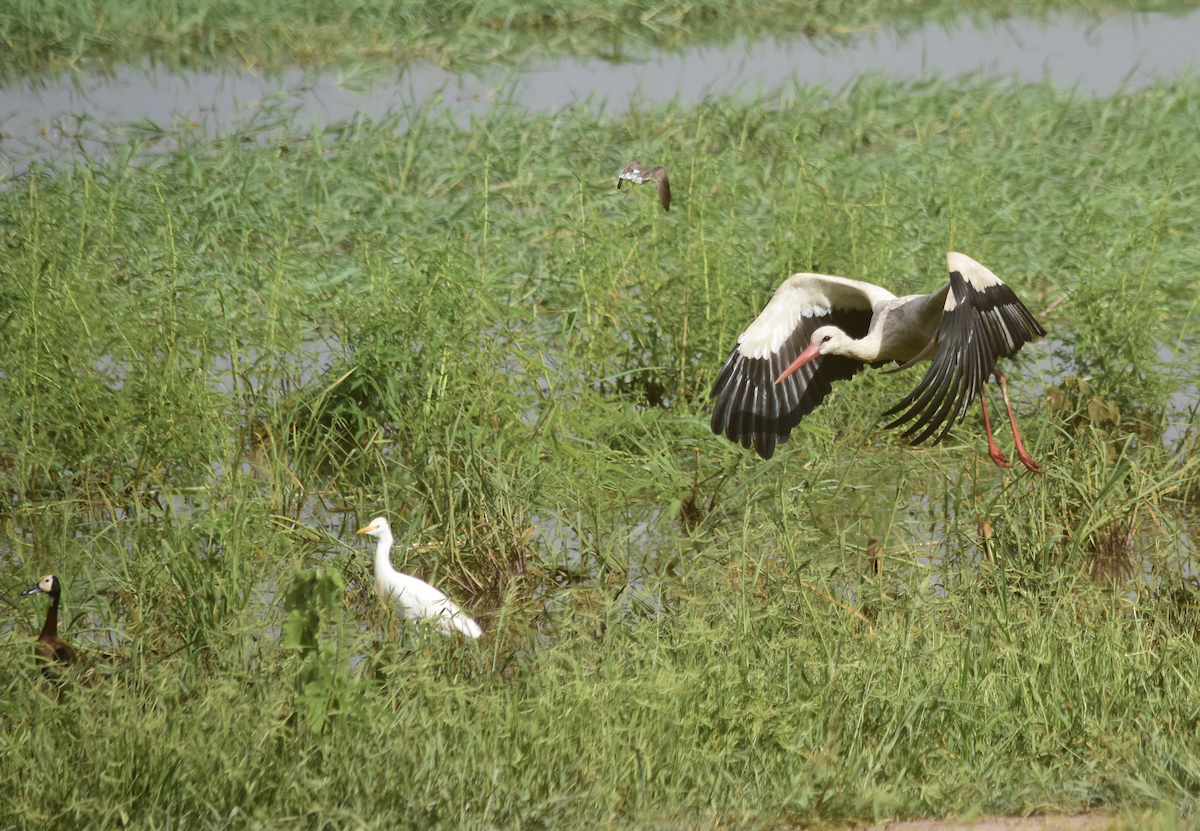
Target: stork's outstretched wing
point(982, 322)
point(750, 407)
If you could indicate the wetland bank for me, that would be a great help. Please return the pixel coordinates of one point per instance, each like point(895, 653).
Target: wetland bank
point(219, 361)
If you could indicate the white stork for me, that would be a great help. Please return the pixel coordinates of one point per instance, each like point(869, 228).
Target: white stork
point(819, 329)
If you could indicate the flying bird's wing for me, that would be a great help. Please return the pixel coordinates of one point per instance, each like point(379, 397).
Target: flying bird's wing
point(751, 408)
point(659, 174)
point(982, 322)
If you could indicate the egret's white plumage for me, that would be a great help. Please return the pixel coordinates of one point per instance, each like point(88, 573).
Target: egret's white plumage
point(414, 597)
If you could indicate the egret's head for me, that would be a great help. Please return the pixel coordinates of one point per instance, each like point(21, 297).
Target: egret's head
point(48, 584)
point(378, 527)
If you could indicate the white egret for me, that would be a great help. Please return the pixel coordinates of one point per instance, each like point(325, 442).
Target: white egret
point(414, 598)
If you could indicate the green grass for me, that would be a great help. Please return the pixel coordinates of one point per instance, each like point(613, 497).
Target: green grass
point(38, 36)
point(205, 356)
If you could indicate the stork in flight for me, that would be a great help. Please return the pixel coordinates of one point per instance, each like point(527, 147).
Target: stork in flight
point(634, 173)
point(819, 329)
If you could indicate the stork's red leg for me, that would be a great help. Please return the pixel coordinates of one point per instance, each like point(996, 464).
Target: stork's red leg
point(993, 451)
point(1022, 454)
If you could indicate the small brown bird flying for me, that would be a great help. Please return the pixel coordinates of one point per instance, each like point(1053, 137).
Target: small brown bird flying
point(634, 173)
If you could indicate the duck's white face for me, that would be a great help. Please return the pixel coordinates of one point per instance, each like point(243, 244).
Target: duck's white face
point(43, 585)
point(378, 526)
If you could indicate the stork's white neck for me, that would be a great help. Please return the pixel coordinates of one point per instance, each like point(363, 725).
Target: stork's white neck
point(866, 349)
point(900, 330)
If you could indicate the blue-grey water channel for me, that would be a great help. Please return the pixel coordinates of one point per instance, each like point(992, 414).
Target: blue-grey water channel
point(1095, 57)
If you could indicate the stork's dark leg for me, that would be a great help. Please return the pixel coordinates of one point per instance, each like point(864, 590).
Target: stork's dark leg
point(1022, 454)
point(993, 451)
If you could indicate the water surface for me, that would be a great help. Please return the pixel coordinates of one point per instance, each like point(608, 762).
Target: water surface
point(1094, 57)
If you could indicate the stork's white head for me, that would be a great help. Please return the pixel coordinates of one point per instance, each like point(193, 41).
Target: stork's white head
point(378, 527)
point(825, 341)
point(829, 340)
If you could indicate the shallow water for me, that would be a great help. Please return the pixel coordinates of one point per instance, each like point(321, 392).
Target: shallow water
point(1095, 57)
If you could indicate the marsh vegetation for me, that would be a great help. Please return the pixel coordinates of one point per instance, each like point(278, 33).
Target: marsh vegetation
point(214, 362)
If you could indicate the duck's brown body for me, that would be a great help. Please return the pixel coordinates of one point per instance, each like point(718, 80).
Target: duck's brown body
point(49, 646)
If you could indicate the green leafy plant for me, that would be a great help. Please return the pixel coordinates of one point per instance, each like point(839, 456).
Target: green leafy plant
point(324, 692)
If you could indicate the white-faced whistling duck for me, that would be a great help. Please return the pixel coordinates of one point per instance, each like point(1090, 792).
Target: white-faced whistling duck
point(50, 647)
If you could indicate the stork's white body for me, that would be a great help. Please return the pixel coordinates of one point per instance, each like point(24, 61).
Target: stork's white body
point(413, 597)
point(900, 326)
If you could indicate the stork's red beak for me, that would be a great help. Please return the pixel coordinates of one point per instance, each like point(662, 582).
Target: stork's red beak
point(804, 357)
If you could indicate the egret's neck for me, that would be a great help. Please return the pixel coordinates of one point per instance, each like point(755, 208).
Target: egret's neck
point(383, 554)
